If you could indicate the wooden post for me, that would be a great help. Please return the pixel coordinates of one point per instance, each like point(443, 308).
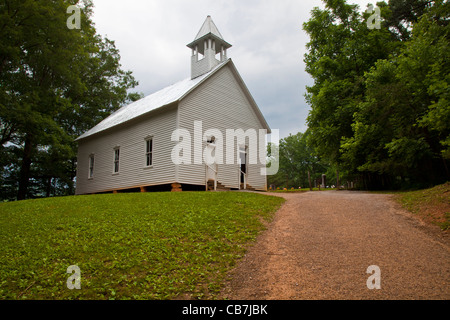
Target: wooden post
point(142, 189)
point(176, 187)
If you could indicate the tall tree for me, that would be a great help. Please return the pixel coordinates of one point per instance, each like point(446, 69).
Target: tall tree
point(402, 129)
point(341, 49)
point(379, 103)
point(55, 83)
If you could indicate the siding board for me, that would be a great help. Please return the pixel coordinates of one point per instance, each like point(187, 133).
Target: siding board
point(220, 103)
point(132, 166)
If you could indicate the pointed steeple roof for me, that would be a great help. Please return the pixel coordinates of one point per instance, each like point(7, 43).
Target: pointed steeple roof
point(209, 30)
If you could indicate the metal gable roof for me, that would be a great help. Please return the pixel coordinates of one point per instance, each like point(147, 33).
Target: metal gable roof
point(165, 97)
point(150, 103)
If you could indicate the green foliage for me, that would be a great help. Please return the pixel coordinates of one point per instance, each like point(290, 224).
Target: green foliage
point(341, 49)
point(127, 246)
point(403, 13)
point(296, 158)
point(380, 100)
point(55, 83)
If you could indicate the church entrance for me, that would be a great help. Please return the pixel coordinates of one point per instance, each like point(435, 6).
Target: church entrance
point(211, 164)
point(243, 167)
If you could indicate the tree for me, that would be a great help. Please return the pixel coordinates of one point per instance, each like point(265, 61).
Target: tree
point(402, 127)
point(55, 84)
point(403, 14)
point(379, 103)
point(296, 158)
point(341, 50)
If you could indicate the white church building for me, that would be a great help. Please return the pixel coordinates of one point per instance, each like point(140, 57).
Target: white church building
point(202, 133)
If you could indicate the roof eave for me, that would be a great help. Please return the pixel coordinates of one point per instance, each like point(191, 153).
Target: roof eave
point(225, 44)
point(252, 100)
point(159, 109)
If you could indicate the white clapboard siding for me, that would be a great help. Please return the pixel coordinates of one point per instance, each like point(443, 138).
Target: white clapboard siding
point(130, 137)
point(220, 103)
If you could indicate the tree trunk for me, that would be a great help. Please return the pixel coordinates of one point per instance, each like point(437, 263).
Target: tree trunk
point(49, 186)
point(445, 166)
point(73, 174)
point(337, 179)
point(25, 168)
point(309, 180)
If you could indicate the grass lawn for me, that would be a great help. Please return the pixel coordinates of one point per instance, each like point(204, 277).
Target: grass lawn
point(431, 205)
point(127, 246)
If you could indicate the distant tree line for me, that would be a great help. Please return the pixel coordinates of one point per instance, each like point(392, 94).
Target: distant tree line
point(380, 102)
point(55, 83)
point(298, 163)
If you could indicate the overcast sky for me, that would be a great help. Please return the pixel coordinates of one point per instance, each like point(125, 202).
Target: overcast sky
point(267, 38)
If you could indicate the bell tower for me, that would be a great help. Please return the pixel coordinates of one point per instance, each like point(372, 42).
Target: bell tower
point(209, 49)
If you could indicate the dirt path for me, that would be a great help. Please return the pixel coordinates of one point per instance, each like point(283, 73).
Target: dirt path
point(320, 244)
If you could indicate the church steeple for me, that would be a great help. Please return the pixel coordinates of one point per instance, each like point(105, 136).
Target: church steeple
point(208, 43)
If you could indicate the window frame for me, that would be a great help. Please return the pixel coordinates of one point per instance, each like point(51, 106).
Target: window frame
point(91, 167)
point(116, 160)
point(149, 151)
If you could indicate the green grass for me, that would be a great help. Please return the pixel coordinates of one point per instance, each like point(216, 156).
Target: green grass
point(127, 246)
point(431, 205)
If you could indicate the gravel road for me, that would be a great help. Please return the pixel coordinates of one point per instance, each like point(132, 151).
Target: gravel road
point(320, 244)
